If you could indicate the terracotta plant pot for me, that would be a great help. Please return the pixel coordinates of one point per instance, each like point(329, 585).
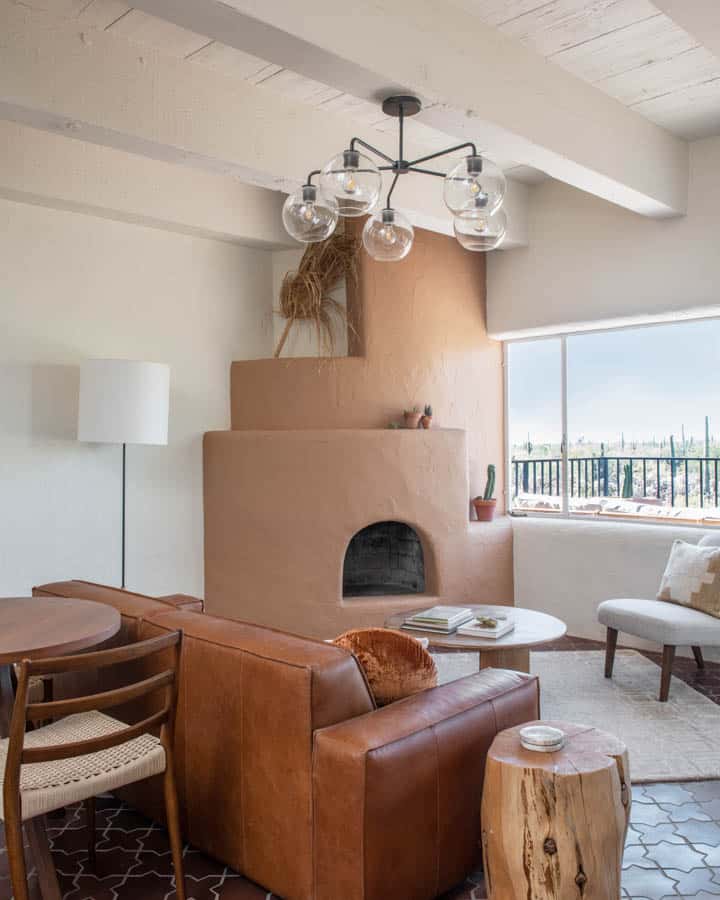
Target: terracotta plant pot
point(426, 421)
point(484, 509)
point(412, 419)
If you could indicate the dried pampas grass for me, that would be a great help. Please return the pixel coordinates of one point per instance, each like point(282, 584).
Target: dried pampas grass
point(305, 294)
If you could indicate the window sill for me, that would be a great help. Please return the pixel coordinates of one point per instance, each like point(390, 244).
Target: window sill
point(616, 517)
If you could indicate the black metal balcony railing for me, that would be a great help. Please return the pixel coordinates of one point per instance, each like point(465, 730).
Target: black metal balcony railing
point(669, 480)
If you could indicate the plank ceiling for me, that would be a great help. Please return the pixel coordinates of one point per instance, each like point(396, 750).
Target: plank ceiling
point(626, 48)
point(120, 19)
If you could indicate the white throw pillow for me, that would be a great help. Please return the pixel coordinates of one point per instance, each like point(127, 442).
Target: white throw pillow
point(692, 578)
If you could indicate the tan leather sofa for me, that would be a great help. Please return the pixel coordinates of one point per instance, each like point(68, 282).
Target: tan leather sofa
point(288, 773)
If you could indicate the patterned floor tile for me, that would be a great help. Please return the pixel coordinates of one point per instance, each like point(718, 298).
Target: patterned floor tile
point(699, 832)
point(676, 856)
point(667, 793)
point(712, 855)
point(134, 860)
point(650, 883)
point(691, 883)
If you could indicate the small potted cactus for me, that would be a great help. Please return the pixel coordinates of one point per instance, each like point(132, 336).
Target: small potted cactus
point(485, 505)
point(426, 420)
point(412, 417)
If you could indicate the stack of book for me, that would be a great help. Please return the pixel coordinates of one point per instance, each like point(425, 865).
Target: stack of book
point(495, 625)
point(443, 619)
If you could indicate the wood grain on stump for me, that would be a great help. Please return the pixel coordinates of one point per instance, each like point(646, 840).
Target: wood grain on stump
point(554, 824)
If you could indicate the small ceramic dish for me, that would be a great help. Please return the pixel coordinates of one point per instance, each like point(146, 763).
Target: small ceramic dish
point(542, 738)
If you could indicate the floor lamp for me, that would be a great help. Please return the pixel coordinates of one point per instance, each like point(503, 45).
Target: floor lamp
point(123, 402)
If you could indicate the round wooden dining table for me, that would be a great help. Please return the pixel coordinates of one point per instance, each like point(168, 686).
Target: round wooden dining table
point(38, 628)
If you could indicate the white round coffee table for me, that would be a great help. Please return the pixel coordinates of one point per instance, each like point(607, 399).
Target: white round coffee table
point(532, 628)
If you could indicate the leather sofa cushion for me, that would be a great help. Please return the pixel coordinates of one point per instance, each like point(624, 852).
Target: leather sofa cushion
point(396, 665)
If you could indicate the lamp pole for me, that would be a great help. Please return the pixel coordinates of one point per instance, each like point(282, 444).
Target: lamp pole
point(123, 402)
point(124, 453)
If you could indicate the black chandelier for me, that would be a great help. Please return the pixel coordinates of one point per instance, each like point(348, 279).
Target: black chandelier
point(350, 185)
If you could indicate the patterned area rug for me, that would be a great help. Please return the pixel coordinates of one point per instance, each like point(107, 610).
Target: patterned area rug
point(673, 741)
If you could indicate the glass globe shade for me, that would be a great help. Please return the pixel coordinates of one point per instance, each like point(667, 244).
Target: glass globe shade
point(388, 236)
point(481, 233)
point(475, 186)
point(354, 181)
point(309, 216)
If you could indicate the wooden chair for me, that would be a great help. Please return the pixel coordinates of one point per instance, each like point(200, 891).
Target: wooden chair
point(84, 752)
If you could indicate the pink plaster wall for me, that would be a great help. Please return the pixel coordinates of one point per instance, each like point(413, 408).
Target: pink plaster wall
point(425, 341)
point(309, 461)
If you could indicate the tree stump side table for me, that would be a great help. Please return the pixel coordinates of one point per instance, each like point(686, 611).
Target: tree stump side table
point(554, 824)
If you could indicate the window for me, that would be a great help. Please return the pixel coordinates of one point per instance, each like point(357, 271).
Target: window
point(618, 423)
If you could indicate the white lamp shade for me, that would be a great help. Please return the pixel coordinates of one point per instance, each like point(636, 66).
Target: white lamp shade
point(123, 402)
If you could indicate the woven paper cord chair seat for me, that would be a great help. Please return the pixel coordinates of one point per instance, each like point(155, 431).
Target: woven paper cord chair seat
point(52, 785)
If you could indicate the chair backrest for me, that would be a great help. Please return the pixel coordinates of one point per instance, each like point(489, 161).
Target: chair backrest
point(24, 712)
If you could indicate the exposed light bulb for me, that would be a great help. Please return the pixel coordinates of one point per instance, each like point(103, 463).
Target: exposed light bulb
point(481, 232)
point(309, 216)
point(388, 235)
point(475, 186)
point(354, 180)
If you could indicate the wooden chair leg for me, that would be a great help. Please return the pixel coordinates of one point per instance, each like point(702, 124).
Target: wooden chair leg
point(89, 805)
point(697, 653)
point(610, 646)
point(172, 814)
point(667, 664)
point(44, 865)
point(16, 858)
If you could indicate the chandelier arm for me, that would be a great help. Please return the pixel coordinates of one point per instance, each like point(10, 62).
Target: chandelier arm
point(426, 171)
point(392, 188)
point(449, 150)
point(312, 175)
point(372, 149)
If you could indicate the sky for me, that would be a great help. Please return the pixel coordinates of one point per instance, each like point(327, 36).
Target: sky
point(645, 382)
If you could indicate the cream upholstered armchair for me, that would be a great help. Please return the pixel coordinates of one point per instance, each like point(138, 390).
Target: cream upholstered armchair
point(668, 624)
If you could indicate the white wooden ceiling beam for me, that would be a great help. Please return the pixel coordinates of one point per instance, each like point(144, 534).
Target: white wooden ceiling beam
point(104, 90)
point(59, 172)
point(477, 83)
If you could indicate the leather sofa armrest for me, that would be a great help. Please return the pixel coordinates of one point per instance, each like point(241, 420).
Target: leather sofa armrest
point(396, 792)
point(183, 601)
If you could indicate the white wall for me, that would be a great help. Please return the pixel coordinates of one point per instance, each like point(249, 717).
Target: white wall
point(302, 339)
point(73, 286)
point(589, 263)
point(566, 568)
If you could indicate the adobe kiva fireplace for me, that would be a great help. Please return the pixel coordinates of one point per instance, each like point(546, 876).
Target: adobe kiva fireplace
point(318, 517)
point(383, 560)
